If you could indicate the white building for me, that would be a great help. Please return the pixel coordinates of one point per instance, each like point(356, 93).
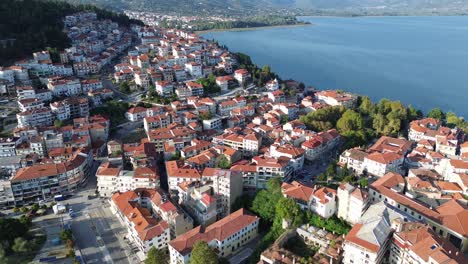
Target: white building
point(352, 203)
point(321, 200)
point(111, 179)
point(368, 241)
point(226, 237)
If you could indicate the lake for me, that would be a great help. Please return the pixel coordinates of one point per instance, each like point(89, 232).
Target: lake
point(421, 61)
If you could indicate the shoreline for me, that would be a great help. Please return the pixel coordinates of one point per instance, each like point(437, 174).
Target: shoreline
point(250, 28)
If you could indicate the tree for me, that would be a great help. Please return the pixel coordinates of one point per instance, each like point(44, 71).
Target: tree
point(156, 256)
point(366, 107)
point(436, 113)
point(203, 254)
point(223, 163)
point(58, 123)
point(205, 115)
point(124, 88)
point(20, 245)
point(288, 209)
point(284, 119)
point(265, 200)
point(350, 121)
point(66, 235)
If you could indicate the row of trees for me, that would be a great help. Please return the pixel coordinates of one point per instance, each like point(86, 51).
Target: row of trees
point(255, 21)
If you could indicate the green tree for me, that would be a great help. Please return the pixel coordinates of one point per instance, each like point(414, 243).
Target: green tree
point(66, 234)
point(284, 119)
point(265, 200)
point(58, 123)
point(363, 182)
point(203, 254)
point(125, 88)
point(223, 163)
point(366, 107)
point(289, 210)
point(436, 113)
point(20, 245)
point(350, 121)
point(205, 115)
point(156, 256)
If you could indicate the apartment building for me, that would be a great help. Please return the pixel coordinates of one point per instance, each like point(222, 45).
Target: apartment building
point(112, 178)
point(225, 236)
point(44, 181)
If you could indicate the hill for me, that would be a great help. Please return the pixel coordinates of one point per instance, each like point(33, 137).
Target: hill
point(37, 24)
point(248, 7)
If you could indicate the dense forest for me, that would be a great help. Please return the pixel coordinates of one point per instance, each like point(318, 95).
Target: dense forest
point(255, 21)
point(247, 8)
point(37, 24)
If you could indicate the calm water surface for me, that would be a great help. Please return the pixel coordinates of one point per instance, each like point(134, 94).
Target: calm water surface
point(421, 61)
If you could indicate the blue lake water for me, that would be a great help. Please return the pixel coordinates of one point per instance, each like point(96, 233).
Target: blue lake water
point(421, 61)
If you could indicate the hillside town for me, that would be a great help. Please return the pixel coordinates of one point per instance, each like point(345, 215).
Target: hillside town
point(144, 140)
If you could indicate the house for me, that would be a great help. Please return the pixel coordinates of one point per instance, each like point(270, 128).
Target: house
point(225, 236)
point(320, 200)
point(223, 82)
point(178, 172)
point(242, 75)
point(136, 113)
point(272, 85)
point(336, 98)
point(296, 155)
point(353, 159)
point(164, 88)
point(33, 183)
point(195, 88)
point(277, 96)
point(379, 164)
point(194, 69)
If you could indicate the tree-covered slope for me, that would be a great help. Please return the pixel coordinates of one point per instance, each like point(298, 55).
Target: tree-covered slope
point(239, 7)
point(37, 24)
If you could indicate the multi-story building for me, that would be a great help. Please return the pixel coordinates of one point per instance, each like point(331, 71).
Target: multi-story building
point(65, 87)
point(132, 208)
point(248, 144)
point(44, 181)
point(446, 219)
point(352, 203)
point(111, 179)
point(225, 236)
point(417, 243)
point(336, 98)
point(368, 241)
point(35, 118)
point(321, 143)
point(8, 146)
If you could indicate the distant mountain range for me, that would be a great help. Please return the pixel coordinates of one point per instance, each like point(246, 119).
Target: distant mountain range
point(239, 7)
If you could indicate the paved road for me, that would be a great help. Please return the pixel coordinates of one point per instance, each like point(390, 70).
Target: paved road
point(98, 233)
